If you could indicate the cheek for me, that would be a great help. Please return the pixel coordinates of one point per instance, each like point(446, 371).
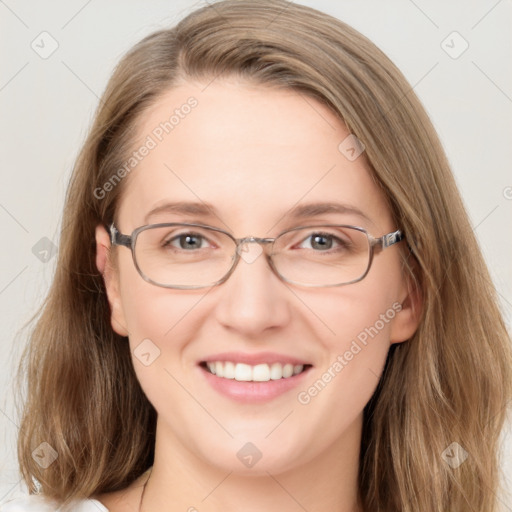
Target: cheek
point(356, 339)
point(165, 317)
point(353, 324)
point(160, 323)
point(161, 332)
point(360, 312)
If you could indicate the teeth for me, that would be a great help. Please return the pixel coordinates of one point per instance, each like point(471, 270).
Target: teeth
point(242, 371)
point(258, 373)
point(287, 371)
point(229, 370)
point(276, 371)
point(261, 373)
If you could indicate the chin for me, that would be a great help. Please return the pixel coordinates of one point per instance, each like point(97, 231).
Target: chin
point(250, 456)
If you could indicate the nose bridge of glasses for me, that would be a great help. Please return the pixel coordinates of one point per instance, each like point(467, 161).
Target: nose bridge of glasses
point(248, 252)
point(255, 240)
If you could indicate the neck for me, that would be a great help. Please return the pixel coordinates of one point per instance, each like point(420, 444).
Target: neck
point(180, 480)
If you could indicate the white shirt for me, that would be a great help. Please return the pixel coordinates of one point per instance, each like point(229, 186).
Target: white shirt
point(40, 503)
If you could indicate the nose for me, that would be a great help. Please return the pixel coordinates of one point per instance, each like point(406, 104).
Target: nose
point(253, 299)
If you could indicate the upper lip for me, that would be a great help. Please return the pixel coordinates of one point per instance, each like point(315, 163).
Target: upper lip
point(254, 359)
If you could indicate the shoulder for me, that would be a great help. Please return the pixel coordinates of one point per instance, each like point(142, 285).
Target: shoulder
point(39, 503)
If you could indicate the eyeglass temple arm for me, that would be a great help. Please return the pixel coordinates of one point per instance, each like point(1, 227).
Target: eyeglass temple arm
point(117, 238)
point(390, 239)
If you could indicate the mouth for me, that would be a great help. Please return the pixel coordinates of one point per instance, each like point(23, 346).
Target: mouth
point(262, 372)
point(253, 378)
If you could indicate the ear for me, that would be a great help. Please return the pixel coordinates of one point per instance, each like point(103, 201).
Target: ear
point(409, 310)
point(111, 279)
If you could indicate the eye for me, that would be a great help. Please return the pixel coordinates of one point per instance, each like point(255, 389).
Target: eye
point(186, 241)
point(323, 242)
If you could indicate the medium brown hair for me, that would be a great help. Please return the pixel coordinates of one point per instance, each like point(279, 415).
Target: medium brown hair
point(449, 383)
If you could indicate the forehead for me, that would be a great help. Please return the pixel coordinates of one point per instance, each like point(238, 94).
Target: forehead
point(253, 152)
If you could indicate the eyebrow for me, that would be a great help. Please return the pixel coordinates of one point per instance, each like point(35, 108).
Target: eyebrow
point(300, 211)
point(316, 209)
point(183, 208)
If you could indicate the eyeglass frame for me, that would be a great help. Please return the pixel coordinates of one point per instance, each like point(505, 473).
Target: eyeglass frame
point(375, 244)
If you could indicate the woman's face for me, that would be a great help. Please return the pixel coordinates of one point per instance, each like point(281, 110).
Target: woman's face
point(253, 154)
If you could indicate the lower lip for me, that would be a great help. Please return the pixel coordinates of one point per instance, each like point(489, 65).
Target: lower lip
point(253, 392)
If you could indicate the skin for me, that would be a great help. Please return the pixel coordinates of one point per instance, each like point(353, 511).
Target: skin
point(253, 153)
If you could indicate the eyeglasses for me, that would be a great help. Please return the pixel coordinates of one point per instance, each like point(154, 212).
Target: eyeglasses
point(190, 256)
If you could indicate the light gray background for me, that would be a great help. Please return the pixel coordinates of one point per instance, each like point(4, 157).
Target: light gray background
point(47, 105)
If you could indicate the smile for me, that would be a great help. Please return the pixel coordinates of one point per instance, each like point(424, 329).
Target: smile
point(253, 373)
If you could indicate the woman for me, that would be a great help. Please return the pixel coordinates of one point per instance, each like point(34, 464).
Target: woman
point(268, 294)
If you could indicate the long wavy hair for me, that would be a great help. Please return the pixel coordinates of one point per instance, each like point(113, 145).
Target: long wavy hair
point(450, 383)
